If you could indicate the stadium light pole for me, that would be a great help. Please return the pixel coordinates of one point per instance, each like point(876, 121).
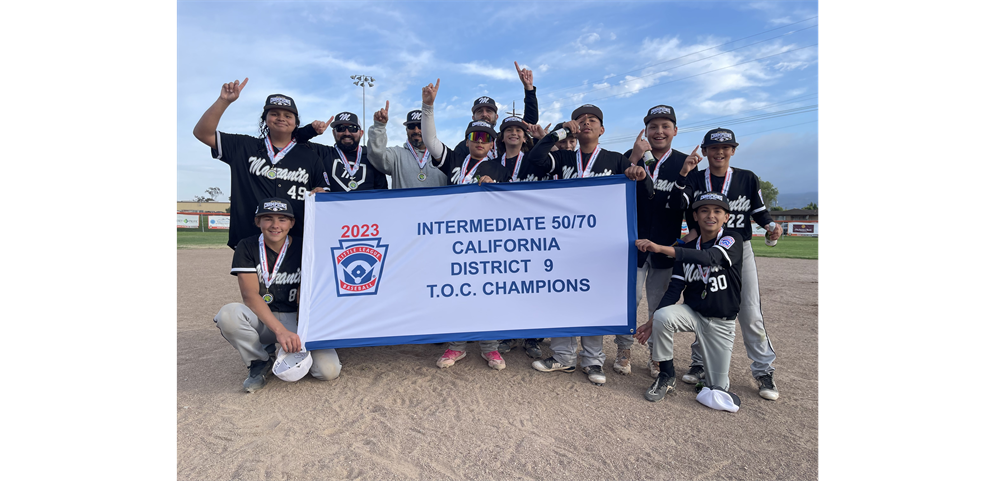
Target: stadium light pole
point(363, 81)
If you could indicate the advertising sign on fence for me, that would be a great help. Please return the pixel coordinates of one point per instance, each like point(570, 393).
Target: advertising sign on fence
point(797, 228)
point(217, 221)
point(186, 221)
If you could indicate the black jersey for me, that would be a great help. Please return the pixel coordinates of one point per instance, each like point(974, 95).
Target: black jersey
point(741, 186)
point(465, 170)
point(562, 164)
point(286, 287)
point(254, 177)
point(656, 220)
point(340, 179)
point(710, 274)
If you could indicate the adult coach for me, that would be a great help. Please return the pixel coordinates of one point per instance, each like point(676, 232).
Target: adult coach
point(268, 267)
point(346, 163)
point(656, 220)
point(409, 165)
point(742, 188)
point(709, 277)
point(272, 165)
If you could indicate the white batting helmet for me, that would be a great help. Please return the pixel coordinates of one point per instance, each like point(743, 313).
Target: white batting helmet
point(291, 367)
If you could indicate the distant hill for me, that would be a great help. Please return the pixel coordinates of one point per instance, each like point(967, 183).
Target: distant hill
point(797, 201)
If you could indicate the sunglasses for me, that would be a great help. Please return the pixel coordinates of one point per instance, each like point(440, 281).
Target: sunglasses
point(479, 137)
point(414, 126)
point(343, 128)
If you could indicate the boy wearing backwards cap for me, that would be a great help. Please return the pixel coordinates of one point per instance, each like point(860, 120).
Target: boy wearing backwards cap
point(268, 267)
point(588, 161)
point(272, 165)
point(742, 187)
point(656, 220)
point(709, 274)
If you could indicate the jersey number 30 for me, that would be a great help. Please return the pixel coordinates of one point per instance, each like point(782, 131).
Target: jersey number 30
point(717, 283)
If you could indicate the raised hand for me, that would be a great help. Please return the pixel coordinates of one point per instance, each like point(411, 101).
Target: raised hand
point(381, 115)
point(230, 91)
point(429, 92)
point(536, 131)
point(691, 163)
point(573, 126)
point(319, 126)
point(640, 147)
point(525, 75)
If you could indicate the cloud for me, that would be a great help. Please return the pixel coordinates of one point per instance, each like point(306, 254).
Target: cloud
point(612, 36)
point(473, 68)
point(543, 67)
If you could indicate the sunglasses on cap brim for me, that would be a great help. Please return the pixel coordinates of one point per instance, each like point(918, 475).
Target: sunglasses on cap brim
point(343, 128)
point(480, 137)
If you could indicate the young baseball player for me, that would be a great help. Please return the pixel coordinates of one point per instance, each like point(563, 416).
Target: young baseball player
point(268, 267)
point(742, 187)
point(346, 163)
point(485, 109)
point(656, 220)
point(272, 165)
point(469, 168)
point(588, 161)
point(409, 165)
point(709, 275)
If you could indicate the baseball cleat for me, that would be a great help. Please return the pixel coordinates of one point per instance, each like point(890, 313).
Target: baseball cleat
point(768, 390)
point(663, 385)
point(506, 345)
point(596, 375)
point(550, 364)
point(532, 349)
point(622, 365)
point(257, 375)
point(449, 358)
point(694, 375)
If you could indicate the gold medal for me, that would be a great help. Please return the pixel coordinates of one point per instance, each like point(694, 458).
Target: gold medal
point(422, 176)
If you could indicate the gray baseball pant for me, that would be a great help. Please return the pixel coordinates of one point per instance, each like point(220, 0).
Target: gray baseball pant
point(656, 282)
point(249, 336)
point(716, 335)
point(591, 353)
point(751, 321)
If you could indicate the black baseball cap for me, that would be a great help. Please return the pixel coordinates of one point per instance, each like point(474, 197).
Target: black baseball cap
point(480, 126)
point(346, 118)
point(719, 136)
point(514, 121)
point(414, 117)
point(274, 205)
point(483, 102)
point(711, 198)
point(280, 101)
point(660, 112)
point(588, 109)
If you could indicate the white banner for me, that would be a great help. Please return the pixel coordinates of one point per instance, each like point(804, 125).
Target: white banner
point(498, 261)
point(188, 221)
point(217, 221)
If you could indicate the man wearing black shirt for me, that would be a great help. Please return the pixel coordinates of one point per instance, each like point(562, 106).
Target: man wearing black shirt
point(346, 163)
point(710, 276)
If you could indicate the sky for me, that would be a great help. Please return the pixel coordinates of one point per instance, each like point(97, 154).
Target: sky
point(751, 67)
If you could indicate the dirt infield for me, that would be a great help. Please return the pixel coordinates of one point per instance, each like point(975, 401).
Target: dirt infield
point(393, 414)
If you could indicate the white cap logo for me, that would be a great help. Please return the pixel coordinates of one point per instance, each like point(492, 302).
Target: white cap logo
point(711, 197)
point(659, 110)
point(344, 116)
point(275, 206)
point(480, 123)
point(416, 115)
point(722, 136)
point(513, 119)
point(483, 100)
point(279, 101)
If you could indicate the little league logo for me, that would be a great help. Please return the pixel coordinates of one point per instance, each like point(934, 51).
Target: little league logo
point(358, 266)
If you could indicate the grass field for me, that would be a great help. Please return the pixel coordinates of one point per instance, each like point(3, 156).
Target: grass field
point(787, 246)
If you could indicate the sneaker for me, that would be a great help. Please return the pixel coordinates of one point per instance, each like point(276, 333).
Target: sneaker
point(654, 369)
point(550, 364)
point(532, 349)
point(621, 365)
point(595, 375)
point(494, 359)
point(506, 345)
point(694, 375)
point(768, 390)
point(663, 385)
point(449, 358)
point(257, 375)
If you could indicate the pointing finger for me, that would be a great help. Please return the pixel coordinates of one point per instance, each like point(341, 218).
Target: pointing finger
point(437, 83)
point(640, 136)
point(387, 107)
point(517, 68)
point(240, 87)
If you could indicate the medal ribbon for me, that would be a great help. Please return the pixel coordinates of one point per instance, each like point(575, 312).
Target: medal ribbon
point(269, 277)
point(518, 164)
point(704, 270)
point(725, 184)
point(590, 164)
point(351, 169)
point(423, 160)
point(464, 174)
point(274, 158)
point(656, 170)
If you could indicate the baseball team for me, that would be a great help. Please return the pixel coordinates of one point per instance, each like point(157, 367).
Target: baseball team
point(712, 266)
